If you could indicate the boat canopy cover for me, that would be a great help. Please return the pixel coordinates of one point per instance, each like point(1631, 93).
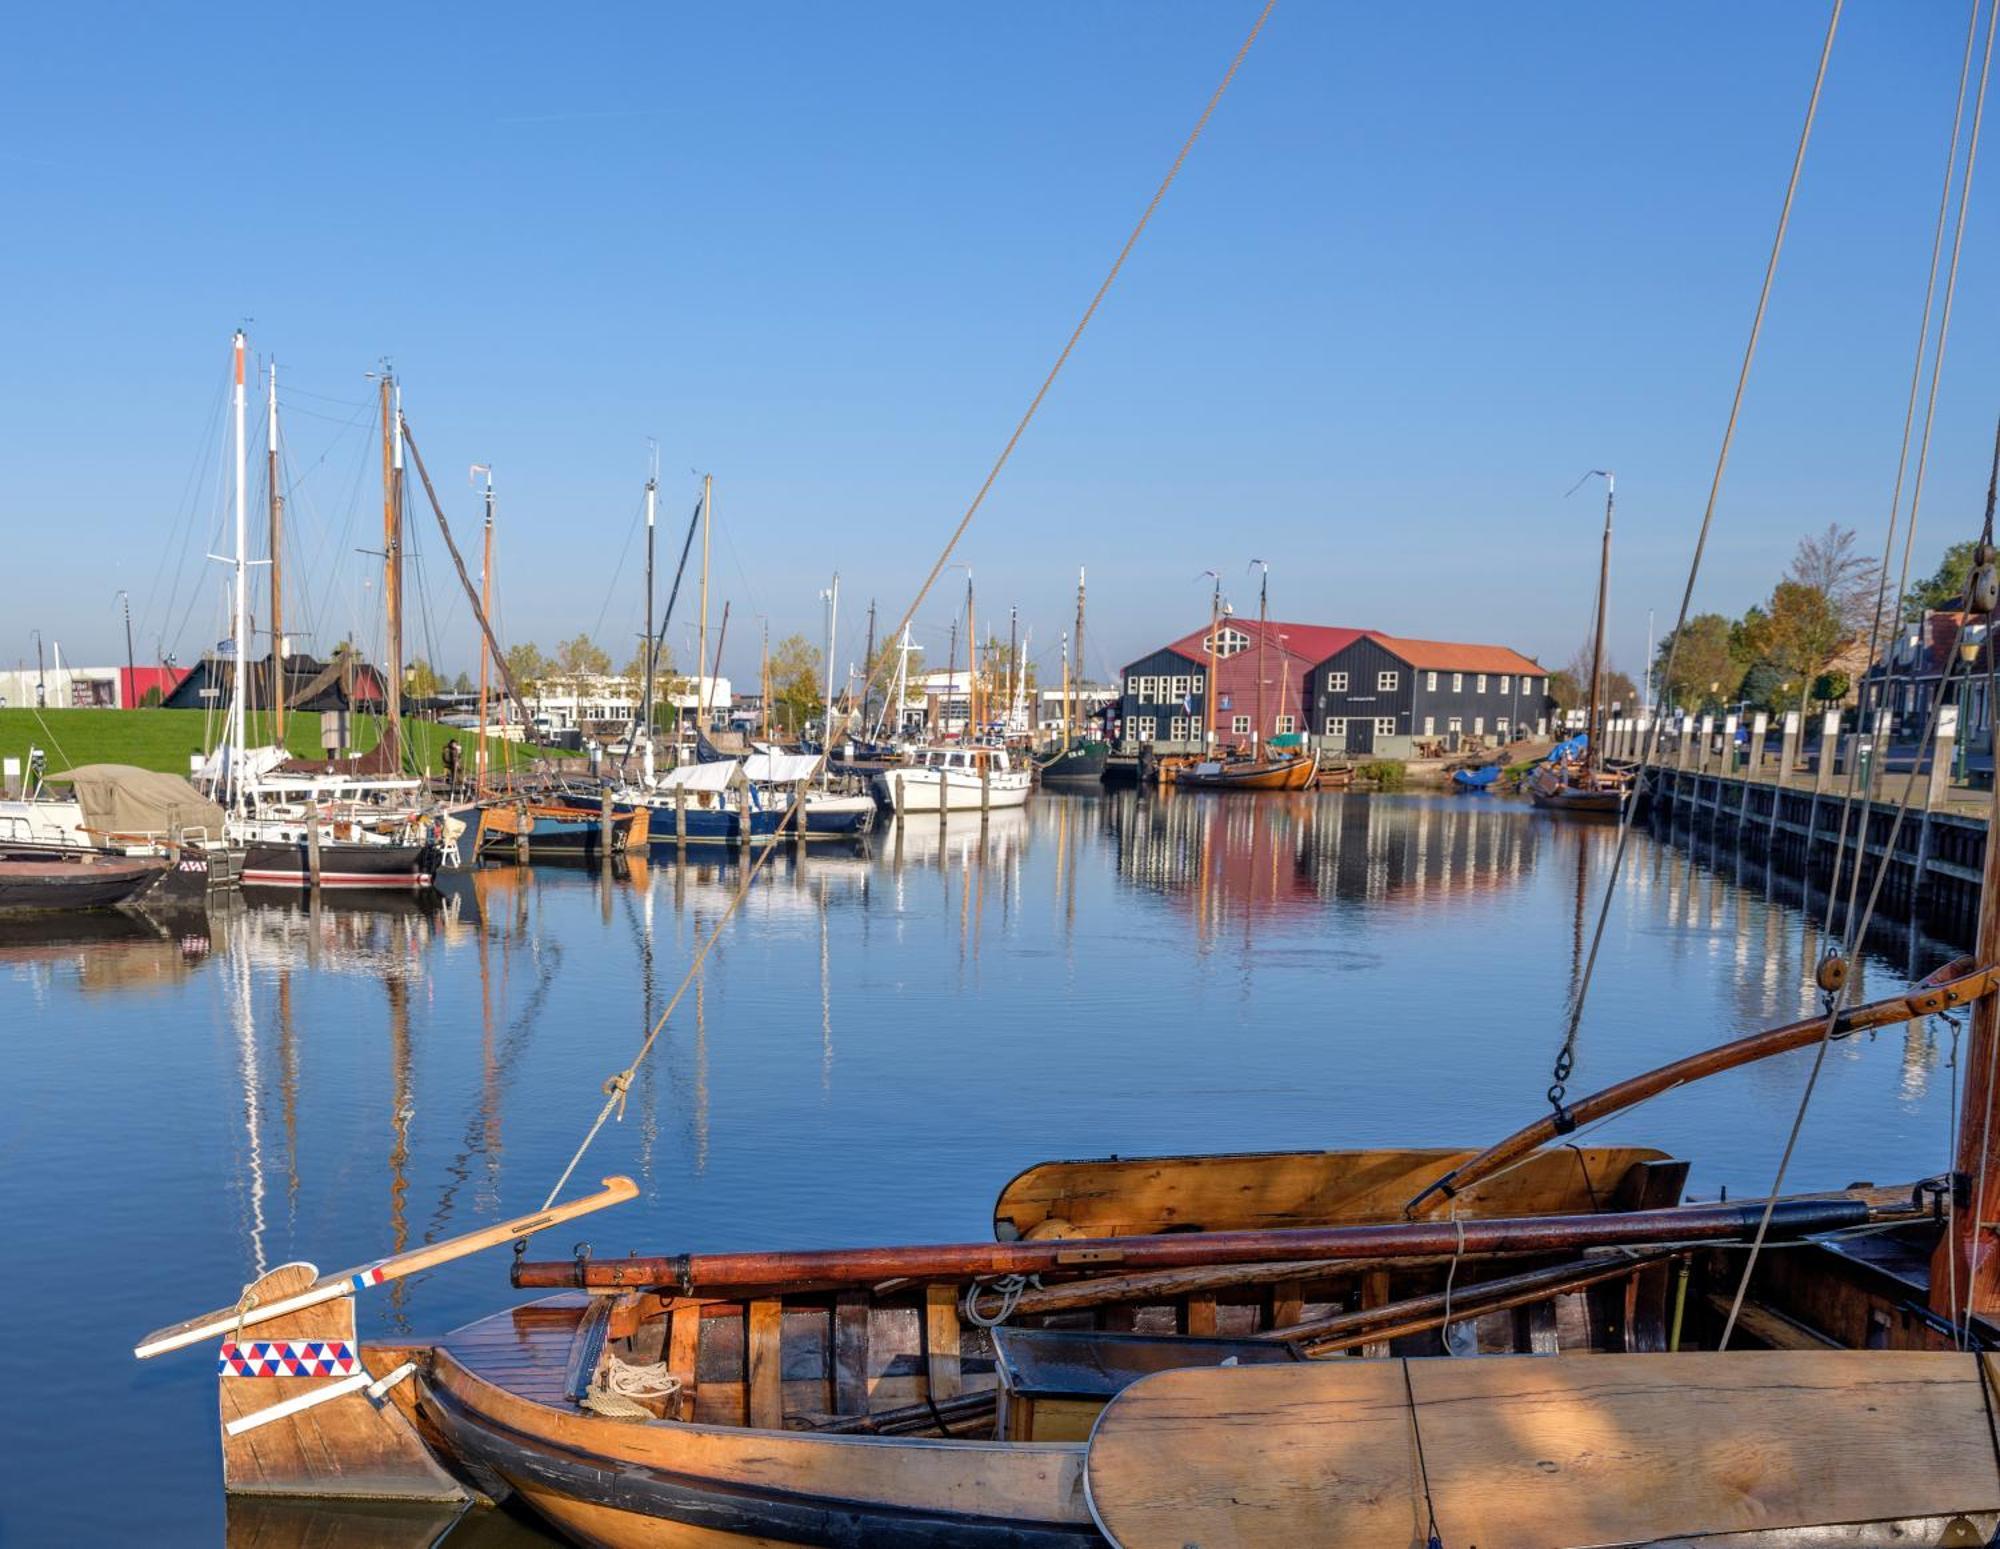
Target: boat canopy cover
point(1483, 776)
point(700, 777)
point(1285, 739)
point(1562, 752)
point(769, 767)
point(117, 798)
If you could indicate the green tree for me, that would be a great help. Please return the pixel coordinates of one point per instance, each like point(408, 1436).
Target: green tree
point(420, 679)
point(795, 682)
point(1798, 634)
point(1705, 656)
point(1945, 588)
point(578, 658)
point(527, 667)
point(663, 665)
point(1830, 688)
point(462, 684)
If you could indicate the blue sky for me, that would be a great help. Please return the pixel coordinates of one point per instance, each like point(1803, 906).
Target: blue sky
point(1428, 265)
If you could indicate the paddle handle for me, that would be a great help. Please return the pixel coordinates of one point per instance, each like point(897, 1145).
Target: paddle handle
point(178, 1336)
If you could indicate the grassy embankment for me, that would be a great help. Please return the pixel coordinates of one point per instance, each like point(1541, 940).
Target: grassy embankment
point(166, 739)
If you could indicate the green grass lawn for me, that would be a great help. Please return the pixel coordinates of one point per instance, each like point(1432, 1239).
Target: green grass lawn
point(166, 739)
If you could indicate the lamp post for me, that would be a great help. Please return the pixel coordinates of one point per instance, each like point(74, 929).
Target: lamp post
point(131, 673)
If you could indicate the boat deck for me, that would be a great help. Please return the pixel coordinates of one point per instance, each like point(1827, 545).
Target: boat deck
point(525, 1350)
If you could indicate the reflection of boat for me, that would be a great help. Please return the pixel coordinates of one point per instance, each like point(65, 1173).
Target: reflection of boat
point(108, 949)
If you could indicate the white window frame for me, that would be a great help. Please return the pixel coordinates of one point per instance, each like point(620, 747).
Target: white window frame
point(1430, 723)
point(1287, 724)
point(1179, 729)
point(1506, 679)
point(1479, 726)
point(1458, 682)
point(1430, 682)
point(1336, 726)
point(1144, 728)
point(1385, 682)
point(1385, 726)
point(1500, 727)
point(1336, 682)
point(1132, 685)
point(1455, 723)
point(1479, 684)
point(1198, 685)
point(1239, 726)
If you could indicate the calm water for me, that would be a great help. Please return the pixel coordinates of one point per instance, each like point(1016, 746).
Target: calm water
point(878, 1043)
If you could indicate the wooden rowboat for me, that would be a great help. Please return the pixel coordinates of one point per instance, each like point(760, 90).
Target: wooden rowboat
point(1248, 774)
point(1586, 794)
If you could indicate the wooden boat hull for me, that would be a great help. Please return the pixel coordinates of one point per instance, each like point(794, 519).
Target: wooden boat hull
point(39, 885)
point(649, 1486)
point(564, 832)
point(341, 865)
point(1552, 793)
point(1291, 774)
point(1081, 766)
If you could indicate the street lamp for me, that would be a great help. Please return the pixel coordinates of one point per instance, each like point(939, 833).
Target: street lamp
point(131, 675)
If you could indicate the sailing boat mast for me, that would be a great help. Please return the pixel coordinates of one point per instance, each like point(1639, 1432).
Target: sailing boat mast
point(1014, 667)
point(1069, 692)
point(392, 569)
point(1214, 627)
point(1263, 619)
point(239, 700)
point(1590, 749)
point(701, 641)
point(485, 650)
point(832, 596)
point(652, 502)
point(971, 659)
point(277, 514)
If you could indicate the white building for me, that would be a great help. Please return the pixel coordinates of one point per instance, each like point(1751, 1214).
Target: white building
point(60, 687)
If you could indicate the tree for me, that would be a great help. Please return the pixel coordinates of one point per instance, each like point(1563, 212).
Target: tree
point(527, 667)
point(1765, 687)
point(1798, 633)
point(151, 698)
point(420, 679)
point(663, 665)
point(1829, 564)
point(795, 680)
point(1946, 586)
point(578, 658)
point(1705, 656)
point(1830, 688)
point(1620, 690)
point(462, 684)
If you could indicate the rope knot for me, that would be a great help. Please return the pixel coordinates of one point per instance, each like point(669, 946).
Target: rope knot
point(616, 1089)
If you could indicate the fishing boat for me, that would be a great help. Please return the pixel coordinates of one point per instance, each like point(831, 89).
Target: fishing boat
point(954, 779)
point(1278, 763)
point(1574, 781)
point(115, 811)
point(1267, 772)
point(563, 825)
point(79, 882)
point(1075, 764)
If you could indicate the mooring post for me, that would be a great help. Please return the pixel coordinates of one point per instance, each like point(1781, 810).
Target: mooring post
point(604, 826)
point(1683, 741)
point(1788, 751)
point(312, 847)
point(1829, 747)
point(1760, 724)
point(1703, 748)
point(799, 821)
point(985, 789)
point(1937, 792)
point(522, 822)
point(681, 822)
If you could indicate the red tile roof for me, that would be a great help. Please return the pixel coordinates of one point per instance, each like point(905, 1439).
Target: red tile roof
point(1310, 643)
point(1451, 656)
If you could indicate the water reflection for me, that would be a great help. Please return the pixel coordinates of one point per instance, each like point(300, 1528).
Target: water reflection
point(879, 1039)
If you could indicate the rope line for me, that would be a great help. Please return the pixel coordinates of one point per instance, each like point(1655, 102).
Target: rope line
point(616, 1088)
point(1857, 929)
point(1582, 996)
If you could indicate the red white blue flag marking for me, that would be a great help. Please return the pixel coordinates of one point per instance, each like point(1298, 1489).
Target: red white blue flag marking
point(372, 1275)
point(288, 1358)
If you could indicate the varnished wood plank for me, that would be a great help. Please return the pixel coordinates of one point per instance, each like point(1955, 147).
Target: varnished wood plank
point(1375, 1293)
point(1288, 1304)
point(683, 1346)
point(1538, 1452)
point(850, 1354)
point(767, 1377)
point(1200, 1315)
point(941, 1330)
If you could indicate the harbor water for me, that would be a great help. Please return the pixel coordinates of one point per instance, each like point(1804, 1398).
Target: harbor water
point(881, 1038)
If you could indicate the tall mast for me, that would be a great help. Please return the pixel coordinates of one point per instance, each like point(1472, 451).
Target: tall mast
point(950, 672)
point(485, 650)
point(652, 501)
point(1263, 618)
point(239, 700)
point(277, 503)
point(764, 686)
point(1065, 687)
point(1069, 694)
point(1013, 667)
point(1214, 624)
point(701, 643)
point(868, 667)
point(1590, 753)
point(832, 638)
point(971, 658)
point(392, 569)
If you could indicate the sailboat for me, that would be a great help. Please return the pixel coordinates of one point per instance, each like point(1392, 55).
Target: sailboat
point(1280, 763)
point(1573, 781)
point(1077, 764)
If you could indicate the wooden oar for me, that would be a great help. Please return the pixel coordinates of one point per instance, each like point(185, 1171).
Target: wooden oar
point(348, 1281)
point(1956, 984)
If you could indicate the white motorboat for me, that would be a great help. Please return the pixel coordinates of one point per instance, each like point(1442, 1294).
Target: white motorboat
point(954, 779)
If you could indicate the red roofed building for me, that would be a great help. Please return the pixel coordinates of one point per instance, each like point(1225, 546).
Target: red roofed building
point(1261, 673)
point(1383, 694)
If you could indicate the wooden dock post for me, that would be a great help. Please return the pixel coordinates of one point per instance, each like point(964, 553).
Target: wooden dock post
point(985, 788)
point(1939, 790)
point(681, 822)
point(1760, 725)
point(799, 822)
point(1728, 762)
point(312, 847)
point(604, 826)
point(1683, 742)
point(1829, 747)
point(1788, 752)
point(1703, 749)
point(521, 822)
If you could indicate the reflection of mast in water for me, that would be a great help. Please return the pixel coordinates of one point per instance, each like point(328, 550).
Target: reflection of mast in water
point(400, 1112)
point(825, 999)
point(253, 1117)
point(288, 1087)
point(649, 1093)
point(489, 1073)
point(701, 1070)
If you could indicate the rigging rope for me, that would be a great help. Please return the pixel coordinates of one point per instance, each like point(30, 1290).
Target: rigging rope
point(1857, 930)
point(617, 1086)
point(1582, 996)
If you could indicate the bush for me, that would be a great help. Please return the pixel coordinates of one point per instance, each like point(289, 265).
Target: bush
point(1385, 774)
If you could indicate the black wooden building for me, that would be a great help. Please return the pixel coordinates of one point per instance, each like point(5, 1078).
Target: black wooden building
point(1383, 694)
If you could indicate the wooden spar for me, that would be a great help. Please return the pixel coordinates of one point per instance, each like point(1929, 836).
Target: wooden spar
point(701, 631)
point(327, 1288)
point(479, 612)
point(276, 502)
point(1214, 625)
point(485, 648)
point(1966, 1265)
point(392, 572)
point(1955, 984)
point(1083, 1255)
point(1591, 758)
point(1414, 1314)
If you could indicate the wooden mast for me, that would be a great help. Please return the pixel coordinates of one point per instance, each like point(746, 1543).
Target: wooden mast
point(392, 572)
point(1590, 751)
point(1071, 681)
point(277, 514)
point(646, 699)
point(764, 687)
point(240, 624)
point(971, 662)
point(1214, 626)
point(1965, 1269)
point(485, 650)
point(1263, 594)
point(701, 640)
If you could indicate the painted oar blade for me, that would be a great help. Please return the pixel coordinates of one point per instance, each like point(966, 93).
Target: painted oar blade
point(176, 1336)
